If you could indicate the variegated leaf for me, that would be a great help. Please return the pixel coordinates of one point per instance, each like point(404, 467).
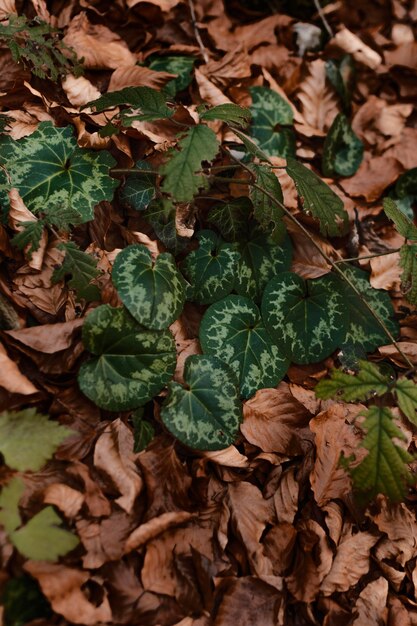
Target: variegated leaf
point(154, 293)
point(307, 318)
point(204, 414)
point(271, 119)
point(51, 171)
point(342, 150)
point(233, 330)
point(231, 218)
point(211, 269)
point(182, 66)
point(131, 364)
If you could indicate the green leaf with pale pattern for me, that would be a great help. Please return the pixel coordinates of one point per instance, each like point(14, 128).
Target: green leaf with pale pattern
point(260, 260)
point(50, 170)
point(385, 467)
point(139, 189)
point(182, 66)
point(28, 439)
point(307, 318)
point(368, 381)
point(233, 330)
point(251, 147)
point(408, 261)
point(272, 117)
point(131, 363)
point(228, 112)
point(30, 237)
point(403, 224)
point(362, 328)
point(154, 293)
point(231, 218)
point(146, 104)
point(319, 199)
point(211, 268)
point(205, 413)
point(181, 174)
point(265, 211)
point(82, 268)
point(342, 150)
point(407, 184)
point(161, 214)
point(341, 74)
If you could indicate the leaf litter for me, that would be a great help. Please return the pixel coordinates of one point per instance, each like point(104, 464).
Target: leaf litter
point(264, 532)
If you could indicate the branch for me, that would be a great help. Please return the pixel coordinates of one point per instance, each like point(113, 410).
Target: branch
point(197, 32)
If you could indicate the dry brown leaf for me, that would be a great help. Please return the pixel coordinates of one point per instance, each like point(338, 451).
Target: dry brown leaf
point(100, 47)
point(319, 103)
point(11, 378)
point(164, 5)
point(67, 499)
point(63, 587)
point(233, 65)
point(372, 604)
point(286, 497)
point(208, 91)
point(400, 525)
point(19, 213)
point(131, 75)
point(103, 540)
point(260, 600)
point(97, 504)
point(113, 455)
point(373, 177)
point(153, 528)
point(307, 260)
point(376, 120)
point(404, 149)
point(350, 563)
point(7, 7)
point(48, 338)
point(79, 90)
point(405, 55)
point(265, 31)
point(229, 457)
point(408, 348)
point(386, 271)
point(24, 122)
point(350, 43)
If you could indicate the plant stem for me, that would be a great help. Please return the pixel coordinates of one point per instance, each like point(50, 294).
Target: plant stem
point(133, 170)
point(368, 256)
point(197, 32)
point(323, 17)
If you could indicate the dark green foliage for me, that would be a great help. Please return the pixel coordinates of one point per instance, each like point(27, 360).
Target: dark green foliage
point(139, 189)
point(272, 120)
point(182, 66)
point(342, 150)
point(341, 74)
point(147, 104)
point(30, 237)
point(231, 218)
point(23, 602)
point(82, 268)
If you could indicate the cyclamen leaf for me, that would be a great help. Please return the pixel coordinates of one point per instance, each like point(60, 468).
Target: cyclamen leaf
point(407, 184)
point(50, 170)
point(82, 268)
point(153, 293)
point(182, 66)
point(342, 150)
point(232, 329)
point(181, 178)
point(253, 149)
point(161, 215)
point(341, 74)
point(211, 269)
point(319, 199)
point(408, 261)
point(270, 115)
point(266, 212)
point(132, 364)
point(403, 224)
point(28, 439)
point(228, 112)
point(406, 392)
point(144, 432)
point(384, 469)
point(29, 237)
point(231, 218)
point(306, 318)
point(206, 413)
point(148, 103)
point(368, 381)
point(139, 189)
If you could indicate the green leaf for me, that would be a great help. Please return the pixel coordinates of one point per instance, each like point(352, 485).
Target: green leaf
point(50, 170)
point(62, 216)
point(408, 261)
point(9, 504)
point(211, 269)
point(139, 189)
point(231, 218)
point(143, 432)
point(182, 66)
point(266, 212)
point(407, 184)
point(270, 115)
point(319, 199)
point(228, 112)
point(132, 364)
point(306, 318)
point(384, 469)
point(341, 74)
point(406, 392)
point(28, 439)
point(252, 148)
point(154, 293)
point(148, 104)
point(233, 330)
point(261, 259)
point(342, 150)
point(23, 602)
point(205, 413)
point(367, 382)
point(403, 224)
point(182, 180)
point(42, 539)
point(362, 328)
point(29, 237)
point(82, 268)
point(161, 215)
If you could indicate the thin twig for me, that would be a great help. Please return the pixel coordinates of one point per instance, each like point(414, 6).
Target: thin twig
point(323, 17)
point(368, 256)
point(197, 32)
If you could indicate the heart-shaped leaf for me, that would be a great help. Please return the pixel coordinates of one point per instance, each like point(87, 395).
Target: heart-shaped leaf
point(233, 330)
point(261, 259)
point(132, 364)
point(362, 329)
point(342, 150)
point(204, 414)
point(153, 293)
point(211, 269)
point(50, 170)
point(307, 318)
point(139, 188)
point(270, 116)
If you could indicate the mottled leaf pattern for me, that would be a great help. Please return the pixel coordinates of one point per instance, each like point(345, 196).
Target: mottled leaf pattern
point(161, 215)
point(260, 260)
point(306, 318)
point(131, 364)
point(211, 269)
point(182, 66)
point(342, 150)
point(271, 117)
point(407, 184)
point(233, 330)
point(265, 211)
point(154, 293)
point(138, 189)
point(206, 413)
point(50, 170)
point(231, 218)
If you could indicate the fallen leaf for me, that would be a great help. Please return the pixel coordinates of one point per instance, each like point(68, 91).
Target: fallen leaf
point(319, 102)
point(131, 75)
point(350, 43)
point(153, 528)
point(262, 602)
point(373, 177)
point(79, 90)
point(67, 499)
point(371, 604)
point(11, 378)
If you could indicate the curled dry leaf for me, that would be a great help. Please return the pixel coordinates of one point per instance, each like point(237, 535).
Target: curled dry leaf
point(103, 540)
point(286, 497)
point(100, 47)
point(19, 213)
point(164, 5)
point(262, 602)
point(373, 177)
point(63, 587)
point(229, 457)
point(400, 526)
point(47, 338)
point(67, 499)
point(350, 43)
point(386, 271)
point(11, 378)
point(153, 528)
point(208, 91)
point(113, 455)
point(79, 90)
point(24, 122)
point(372, 604)
point(307, 260)
point(409, 348)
